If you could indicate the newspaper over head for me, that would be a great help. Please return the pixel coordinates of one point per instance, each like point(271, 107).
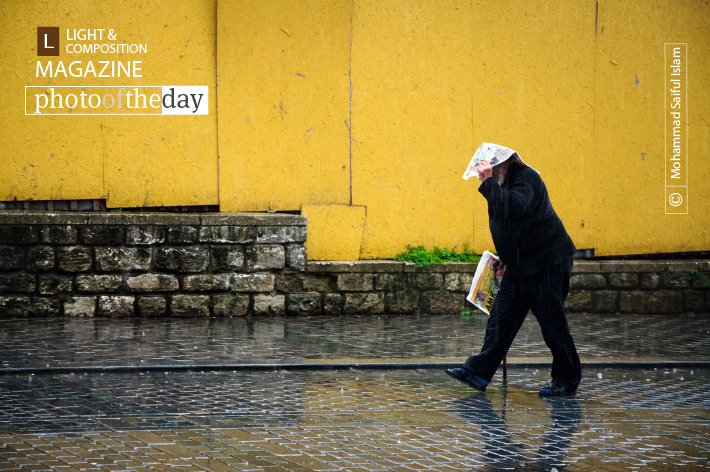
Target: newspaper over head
point(486, 282)
point(493, 153)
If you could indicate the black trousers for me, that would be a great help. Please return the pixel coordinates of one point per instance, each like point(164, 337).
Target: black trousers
point(543, 294)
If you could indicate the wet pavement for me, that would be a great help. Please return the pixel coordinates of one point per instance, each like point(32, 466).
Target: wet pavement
point(650, 416)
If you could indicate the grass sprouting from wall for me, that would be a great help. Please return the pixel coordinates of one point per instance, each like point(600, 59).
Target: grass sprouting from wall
point(421, 257)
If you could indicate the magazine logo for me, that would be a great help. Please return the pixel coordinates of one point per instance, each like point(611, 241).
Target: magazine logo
point(48, 40)
point(116, 100)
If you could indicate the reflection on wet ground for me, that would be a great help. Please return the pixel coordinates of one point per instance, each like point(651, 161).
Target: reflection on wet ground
point(70, 342)
point(357, 420)
point(630, 419)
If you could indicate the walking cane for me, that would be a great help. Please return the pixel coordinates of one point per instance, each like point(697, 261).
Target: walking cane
point(505, 367)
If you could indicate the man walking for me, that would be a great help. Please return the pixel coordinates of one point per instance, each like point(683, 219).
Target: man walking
point(532, 242)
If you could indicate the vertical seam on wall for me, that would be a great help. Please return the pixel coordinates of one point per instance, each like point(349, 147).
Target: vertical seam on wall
point(594, 158)
point(474, 192)
point(216, 101)
point(350, 100)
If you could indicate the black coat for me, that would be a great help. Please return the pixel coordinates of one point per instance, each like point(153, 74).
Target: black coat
point(528, 235)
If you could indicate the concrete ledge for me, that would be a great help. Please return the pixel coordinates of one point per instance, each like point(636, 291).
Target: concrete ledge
point(386, 266)
point(21, 217)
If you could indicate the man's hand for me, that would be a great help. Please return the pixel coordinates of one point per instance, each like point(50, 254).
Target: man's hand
point(484, 170)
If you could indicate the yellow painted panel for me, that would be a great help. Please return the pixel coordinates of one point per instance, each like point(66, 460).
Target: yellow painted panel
point(283, 80)
point(334, 231)
point(165, 160)
point(630, 161)
point(42, 157)
point(130, 160)
point(533, 76)
point(411, 64)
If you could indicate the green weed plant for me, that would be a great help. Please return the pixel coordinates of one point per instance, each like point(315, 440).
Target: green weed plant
point(422, 258)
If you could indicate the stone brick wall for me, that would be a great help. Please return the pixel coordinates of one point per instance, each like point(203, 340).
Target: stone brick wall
point(113, 264)
point(640, 287)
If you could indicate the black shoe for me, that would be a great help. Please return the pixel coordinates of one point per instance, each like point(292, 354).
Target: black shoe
point(473, 381)
point(557, 389)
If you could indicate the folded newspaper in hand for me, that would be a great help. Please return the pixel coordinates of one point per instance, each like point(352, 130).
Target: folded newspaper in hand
point(486, 282)
point(493, 153)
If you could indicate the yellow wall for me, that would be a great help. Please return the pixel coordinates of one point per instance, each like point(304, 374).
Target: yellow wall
point(283, 103)
point(364, 114)
point(411, 65)
point(129, 160)
point(629, 192)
